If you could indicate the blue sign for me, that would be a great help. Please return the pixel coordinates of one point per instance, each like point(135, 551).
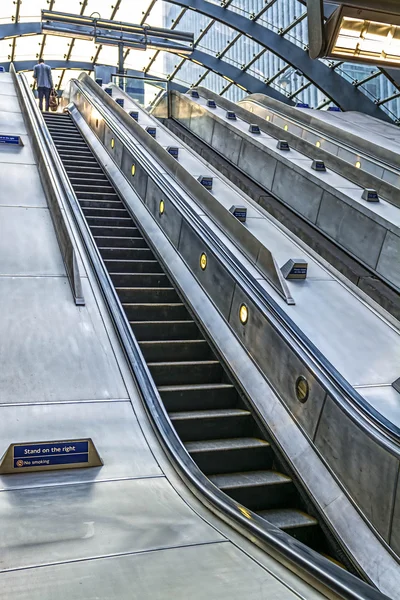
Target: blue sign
point(194, 94)
point(108, 91)
point(240, 212)
point(334, 109)
point(207, 182)
point(173, 151)
point(231, 115)
point(151, 131)
point(254, 128)
point(211, 104)
point(120, 101)
point(50, 453)
point(134, 114)
point(10, 139)
point(302, 105)
point(2, 69)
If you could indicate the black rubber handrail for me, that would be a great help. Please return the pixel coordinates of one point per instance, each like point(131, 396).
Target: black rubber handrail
point(314, 568)
point(345, 396)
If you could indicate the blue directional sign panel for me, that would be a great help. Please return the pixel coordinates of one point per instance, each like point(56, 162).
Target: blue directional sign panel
point(48, 454)
point(10, 139)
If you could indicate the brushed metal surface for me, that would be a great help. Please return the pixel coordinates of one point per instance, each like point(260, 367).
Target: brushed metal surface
point(340, 222)
point(28, 244)
point(16, 154)
point(12, 123)
point(55, 524)
point(198, 572)
point(113, 427)
point(277, 362)
point(367, 471)
point(20, 186)
point(50, 350)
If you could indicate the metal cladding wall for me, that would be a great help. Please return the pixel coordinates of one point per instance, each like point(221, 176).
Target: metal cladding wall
point(364, 461)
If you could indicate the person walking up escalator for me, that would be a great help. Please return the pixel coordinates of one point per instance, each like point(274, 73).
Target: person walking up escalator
point(44, 81)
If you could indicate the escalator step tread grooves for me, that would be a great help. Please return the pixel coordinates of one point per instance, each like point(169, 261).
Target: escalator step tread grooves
point(205, 408)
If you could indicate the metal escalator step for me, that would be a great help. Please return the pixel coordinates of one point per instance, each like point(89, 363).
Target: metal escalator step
point(85, 170)
point(186, 372)
point(132, 266)
point(76, 152)
point(258, 490)
point(69, 145)
point(103, 186)
point(297, 523)
point(165, 330)
point(81, 165)
point(156, 311)
point(198, 397)
point(122, 221)
point(94, 211)
point(113, 204)
point(125, 242)
point(76, 158)
point(126, 253)
point(78, 178)
point(231, 454)
point(115, 232)
point(136, 280)
point(82, 174)
point(97, 195)
point(212, 424)
point(147, 294)
point(176, 350)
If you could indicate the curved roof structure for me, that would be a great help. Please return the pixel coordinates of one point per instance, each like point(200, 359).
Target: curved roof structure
point(240, 46)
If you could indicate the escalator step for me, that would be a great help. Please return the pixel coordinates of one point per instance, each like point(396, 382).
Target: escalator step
point(97, 195)
point(135, 280)
point(186, 372)
point(116, 232)
point(81, 174)
point(295, 522)
point(258, 490)
point(101, 187)
point(113, 204)
point(156, 312)
point(176, 350)
point(125, 242)
point(98, 221)
point(212, 424)
point(198, 397)
point(126, 253)
point(132, 266)
point(231, 455)
point(147, 294)
point(110, 213)
point(148, 331)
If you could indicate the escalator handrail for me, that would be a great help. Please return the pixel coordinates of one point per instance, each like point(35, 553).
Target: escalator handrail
point(303, 560)
point(377, 426)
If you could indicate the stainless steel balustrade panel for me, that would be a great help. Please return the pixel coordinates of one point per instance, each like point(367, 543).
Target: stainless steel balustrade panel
point(212, 571)
point(56, 524)
point(50, 350)
point(113, 427)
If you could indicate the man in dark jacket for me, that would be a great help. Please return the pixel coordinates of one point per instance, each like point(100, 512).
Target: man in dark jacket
point(44, 80)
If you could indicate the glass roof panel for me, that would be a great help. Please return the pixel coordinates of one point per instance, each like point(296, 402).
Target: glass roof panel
point(67, 6)
point(281, 16)
point(7, 11)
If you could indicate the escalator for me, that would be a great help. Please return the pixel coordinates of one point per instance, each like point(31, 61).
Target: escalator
point(207, 410)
